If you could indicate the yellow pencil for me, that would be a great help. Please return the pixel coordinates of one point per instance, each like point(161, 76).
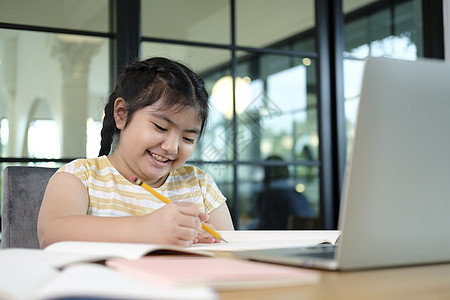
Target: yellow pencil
point(165, 200)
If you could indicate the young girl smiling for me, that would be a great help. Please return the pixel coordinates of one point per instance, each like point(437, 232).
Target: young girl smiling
point(155, 116)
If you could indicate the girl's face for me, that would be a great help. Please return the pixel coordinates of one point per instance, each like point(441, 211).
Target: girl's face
point(155, 142)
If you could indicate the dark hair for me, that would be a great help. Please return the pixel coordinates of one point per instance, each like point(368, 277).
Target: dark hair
point(145, 82)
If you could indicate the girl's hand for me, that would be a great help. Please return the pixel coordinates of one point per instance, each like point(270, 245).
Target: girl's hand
point(205, 237)
point(175, 224)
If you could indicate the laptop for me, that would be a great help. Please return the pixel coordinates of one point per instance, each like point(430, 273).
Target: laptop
point(395, 206)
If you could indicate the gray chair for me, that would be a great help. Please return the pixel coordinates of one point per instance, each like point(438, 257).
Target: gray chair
point(23, 190)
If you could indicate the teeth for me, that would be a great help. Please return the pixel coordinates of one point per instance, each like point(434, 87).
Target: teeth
point(159, 158)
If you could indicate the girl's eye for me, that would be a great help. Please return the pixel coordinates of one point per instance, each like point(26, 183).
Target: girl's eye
point(191, 141)
point(160, 128)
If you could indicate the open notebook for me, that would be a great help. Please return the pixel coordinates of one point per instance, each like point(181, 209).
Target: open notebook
point(396, 197)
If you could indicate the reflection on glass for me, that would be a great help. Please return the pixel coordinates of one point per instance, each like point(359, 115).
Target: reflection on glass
point(222, 95)
point(389, 32)
point(281, 117)
point(274, 111)
point(278, 196)
point(306, 179)
point(73, 89)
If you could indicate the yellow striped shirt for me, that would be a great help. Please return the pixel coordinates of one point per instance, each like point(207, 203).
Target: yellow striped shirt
point(111, 194)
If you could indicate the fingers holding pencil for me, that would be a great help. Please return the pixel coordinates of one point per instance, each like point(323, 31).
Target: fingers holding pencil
point(205, 227)
point(206, 237)
point(172, 224)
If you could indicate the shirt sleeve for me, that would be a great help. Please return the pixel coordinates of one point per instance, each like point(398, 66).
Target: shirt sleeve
point(77, 168)
point(212, 196)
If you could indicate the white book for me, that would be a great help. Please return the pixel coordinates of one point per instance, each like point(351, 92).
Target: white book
point(62, 254)
point(94, 280)
point(241, 240)
point(23, 282)
point(62, 270)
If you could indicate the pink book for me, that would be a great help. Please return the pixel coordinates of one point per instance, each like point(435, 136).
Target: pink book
point(218, 273)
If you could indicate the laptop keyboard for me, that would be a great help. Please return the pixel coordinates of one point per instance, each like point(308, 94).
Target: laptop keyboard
point(320, 251)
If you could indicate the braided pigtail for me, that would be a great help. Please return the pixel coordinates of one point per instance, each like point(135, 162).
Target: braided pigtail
point(109, 128)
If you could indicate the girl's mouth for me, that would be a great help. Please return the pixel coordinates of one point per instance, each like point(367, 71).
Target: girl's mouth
point(158, 157)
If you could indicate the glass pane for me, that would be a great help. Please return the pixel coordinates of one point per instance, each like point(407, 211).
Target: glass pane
point(408, 27)
point(70, 14)
point(353, 73)
point(265, 23)
point(56, 78)
point(278, 196)
point(43, 140)
point(202, 60)
point(199, 20)
point(211, 65)
point(395, 31)
point(351, 5)
point(4, 134)
point(307, 181)
point(389, 32)
point(276, 107)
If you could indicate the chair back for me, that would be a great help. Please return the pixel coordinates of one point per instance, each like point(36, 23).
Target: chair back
point(23, 190)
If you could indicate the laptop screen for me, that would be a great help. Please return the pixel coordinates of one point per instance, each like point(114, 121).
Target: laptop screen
point(396, 196)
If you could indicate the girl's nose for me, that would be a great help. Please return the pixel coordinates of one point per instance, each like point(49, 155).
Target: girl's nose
point(170, 144)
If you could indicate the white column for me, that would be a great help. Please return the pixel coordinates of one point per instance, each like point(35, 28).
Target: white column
point(74, 54)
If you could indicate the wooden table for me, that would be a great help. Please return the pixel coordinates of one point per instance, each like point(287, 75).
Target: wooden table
point(420, 282)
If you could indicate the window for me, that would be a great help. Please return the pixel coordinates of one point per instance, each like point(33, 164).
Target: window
point(4, 136)
point(392, 30)
point(58, 53)
point(51, 76)
point(273, 111)
point(43, 141)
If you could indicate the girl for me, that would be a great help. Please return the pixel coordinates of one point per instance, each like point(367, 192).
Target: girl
point(155, 116)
